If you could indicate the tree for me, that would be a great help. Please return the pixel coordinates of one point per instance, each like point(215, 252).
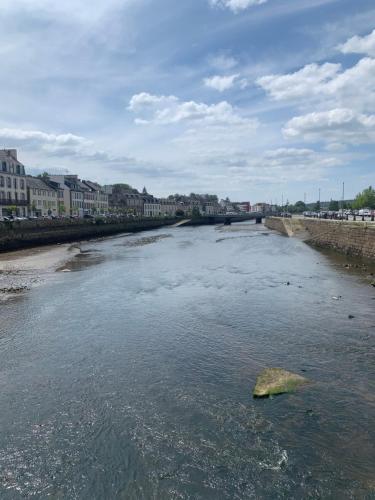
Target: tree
point(180, 213)
point(298, 208)
point(333, 206)
point(196, 212)
point(317, 206)
point(366, 199)
point(44, 176)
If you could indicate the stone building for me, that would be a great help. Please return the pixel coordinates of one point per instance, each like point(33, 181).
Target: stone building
point(127, 200)
point(152, 208)
point(169, 206)
point(72, 200)
point(13, 191)
point(42, 197)
point(98, 203)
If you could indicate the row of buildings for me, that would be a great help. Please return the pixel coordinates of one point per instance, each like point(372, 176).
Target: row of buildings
point(49, 195)
point(67, 195)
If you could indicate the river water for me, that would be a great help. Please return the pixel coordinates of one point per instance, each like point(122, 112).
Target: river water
point(131, 377)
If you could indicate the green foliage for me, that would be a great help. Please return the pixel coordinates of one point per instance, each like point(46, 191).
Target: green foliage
point(298, 207)
point(317, 206)
point(196, 212)
point(118, 188)
point(180, 213)
point(333, 206)
point(366, 199)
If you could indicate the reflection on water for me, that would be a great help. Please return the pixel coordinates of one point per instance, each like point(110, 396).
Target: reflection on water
point(131, 378)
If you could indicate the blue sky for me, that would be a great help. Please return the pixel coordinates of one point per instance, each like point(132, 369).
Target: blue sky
point(254, 99)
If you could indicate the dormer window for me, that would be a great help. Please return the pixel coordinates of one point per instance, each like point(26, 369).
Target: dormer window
point(4, 166)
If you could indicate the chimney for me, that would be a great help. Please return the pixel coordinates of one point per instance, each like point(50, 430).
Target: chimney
point(12, 152)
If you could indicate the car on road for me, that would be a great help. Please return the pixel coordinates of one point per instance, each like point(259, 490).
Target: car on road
point(365, 212)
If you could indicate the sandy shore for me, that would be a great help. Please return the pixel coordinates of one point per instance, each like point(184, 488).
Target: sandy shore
point(22, 269)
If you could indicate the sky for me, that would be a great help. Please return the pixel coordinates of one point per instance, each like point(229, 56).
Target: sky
point(258, 100)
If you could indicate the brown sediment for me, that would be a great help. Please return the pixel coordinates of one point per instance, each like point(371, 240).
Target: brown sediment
point(23, 269)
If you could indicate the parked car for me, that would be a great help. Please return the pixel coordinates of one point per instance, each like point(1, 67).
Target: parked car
point(365, 211)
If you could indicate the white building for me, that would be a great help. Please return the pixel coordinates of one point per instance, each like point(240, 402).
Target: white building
point(152, 208)
point(13, 191)
point(42, 197)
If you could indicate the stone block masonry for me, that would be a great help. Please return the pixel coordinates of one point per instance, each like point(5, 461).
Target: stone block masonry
point(23, 234)
point(351, 238)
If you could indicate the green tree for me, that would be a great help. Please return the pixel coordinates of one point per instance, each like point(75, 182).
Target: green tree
point(299, 207)
point(317, 206)
point(333, 206)
point(366, 199)
point(43, 176)
point(196, 212)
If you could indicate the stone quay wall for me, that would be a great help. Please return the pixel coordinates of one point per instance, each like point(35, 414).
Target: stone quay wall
point(22, 234)
point(351, 238)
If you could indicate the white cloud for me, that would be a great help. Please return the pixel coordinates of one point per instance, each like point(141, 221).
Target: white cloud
point(64, 146)
point(167, 110)
point(336, 126)
point(299, 84)
point(223, 62)
point(359, 45)
point(144, 100)
point(221, 83)
point(236, 5)
point(326, 85)
point(53, 143)
point(283, 165)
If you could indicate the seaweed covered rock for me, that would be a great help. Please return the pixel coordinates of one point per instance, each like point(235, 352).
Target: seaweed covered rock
point(277, 381)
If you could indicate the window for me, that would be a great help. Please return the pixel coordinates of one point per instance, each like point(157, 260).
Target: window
point(1, 181)
point(23, 196)
point(15, 183)
point(18, 169)
point(4, 166)
point(22, 184)
point(9, 182)
point(9, 195)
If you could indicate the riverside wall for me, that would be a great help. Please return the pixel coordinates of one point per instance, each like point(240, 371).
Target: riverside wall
point(351, 238)
point(23, 234)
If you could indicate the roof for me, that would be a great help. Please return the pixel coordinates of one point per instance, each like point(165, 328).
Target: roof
point(94, 186)
point(37, 183)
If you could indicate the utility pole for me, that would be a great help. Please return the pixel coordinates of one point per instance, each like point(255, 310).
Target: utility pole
point(320, 208)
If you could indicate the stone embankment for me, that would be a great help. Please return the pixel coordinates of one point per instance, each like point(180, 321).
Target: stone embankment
point(23, 234)
point(351, 238)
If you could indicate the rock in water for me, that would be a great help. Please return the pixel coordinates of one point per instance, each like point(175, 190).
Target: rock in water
point(276, 381)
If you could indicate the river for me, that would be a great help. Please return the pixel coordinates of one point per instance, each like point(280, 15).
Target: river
point(131, 377)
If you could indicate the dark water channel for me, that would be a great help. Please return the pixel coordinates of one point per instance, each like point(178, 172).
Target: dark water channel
point(131, 378)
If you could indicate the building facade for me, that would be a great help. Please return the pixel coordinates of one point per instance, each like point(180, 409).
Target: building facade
point(152, 209)
point(13, 190)
point(98, 203)
point(168, 207)
point(42, 197)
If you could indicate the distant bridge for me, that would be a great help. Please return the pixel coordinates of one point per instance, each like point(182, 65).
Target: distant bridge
point(222, 219)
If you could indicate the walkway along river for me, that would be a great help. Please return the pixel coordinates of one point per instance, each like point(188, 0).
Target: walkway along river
point(131, 376)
